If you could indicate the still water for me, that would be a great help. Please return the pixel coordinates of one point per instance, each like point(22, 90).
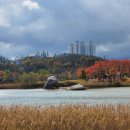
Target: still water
point(44, 97)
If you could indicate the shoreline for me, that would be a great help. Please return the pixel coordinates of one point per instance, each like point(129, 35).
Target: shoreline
point(66, 84)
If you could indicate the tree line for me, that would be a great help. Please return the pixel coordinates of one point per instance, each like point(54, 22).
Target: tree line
point(109, 69)
point(28, 69)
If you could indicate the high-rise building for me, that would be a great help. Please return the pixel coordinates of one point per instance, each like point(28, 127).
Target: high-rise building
point(77, 47)
point(72, 48)
point(83, 48)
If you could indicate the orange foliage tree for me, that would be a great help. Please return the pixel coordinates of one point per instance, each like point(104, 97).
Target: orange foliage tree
point(109, 69)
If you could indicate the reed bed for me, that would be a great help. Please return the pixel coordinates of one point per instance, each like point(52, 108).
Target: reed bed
point(65, 117)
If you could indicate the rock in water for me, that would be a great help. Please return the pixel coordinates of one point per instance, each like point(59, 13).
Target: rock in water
point(51, 83)
point(77, 87)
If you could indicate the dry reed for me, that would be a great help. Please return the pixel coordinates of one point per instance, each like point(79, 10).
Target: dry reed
point(65, 118)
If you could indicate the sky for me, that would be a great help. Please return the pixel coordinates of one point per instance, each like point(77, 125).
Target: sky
point(28, 26)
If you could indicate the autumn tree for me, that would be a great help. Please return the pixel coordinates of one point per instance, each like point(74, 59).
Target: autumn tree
point(110, 68)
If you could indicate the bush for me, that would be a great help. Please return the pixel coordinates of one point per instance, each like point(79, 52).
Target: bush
point(32, 78)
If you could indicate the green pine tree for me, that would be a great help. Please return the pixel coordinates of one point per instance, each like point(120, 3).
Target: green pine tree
point(83, 75)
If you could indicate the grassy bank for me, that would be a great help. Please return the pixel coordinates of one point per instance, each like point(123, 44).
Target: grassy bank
point(65, 118)
point(21, 86)
point(67, 83)
point(95, 84)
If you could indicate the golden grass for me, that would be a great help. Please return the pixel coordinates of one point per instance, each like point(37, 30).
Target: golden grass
point(9, 86)
point(20, 86)
point(65, 118)
point(96, 84)
point(128, 80)
point(92, 84)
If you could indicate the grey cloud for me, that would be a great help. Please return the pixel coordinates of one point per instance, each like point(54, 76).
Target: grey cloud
point(57, 23)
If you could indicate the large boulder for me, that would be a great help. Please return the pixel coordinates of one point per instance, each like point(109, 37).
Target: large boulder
point(77, 87)
point(51, 83)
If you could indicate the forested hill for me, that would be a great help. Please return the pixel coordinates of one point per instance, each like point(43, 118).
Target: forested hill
point(58, 63)
point(55, 64)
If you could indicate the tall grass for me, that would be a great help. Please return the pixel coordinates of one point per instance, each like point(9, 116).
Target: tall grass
point(65, 118)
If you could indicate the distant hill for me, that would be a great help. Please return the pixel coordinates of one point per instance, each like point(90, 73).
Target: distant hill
point(58, 64)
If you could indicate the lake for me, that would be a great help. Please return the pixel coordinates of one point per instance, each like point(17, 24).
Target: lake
point(56, 97)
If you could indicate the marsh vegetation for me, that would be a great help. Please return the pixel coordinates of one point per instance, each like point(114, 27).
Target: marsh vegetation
point(65, 118)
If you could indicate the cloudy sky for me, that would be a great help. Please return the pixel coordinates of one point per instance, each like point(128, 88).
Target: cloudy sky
point(27, 26)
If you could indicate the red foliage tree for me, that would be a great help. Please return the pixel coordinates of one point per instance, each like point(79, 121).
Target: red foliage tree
point(1, 74)
point(111, 68)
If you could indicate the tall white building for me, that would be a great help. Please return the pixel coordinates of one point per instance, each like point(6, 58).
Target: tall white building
point(83, 48)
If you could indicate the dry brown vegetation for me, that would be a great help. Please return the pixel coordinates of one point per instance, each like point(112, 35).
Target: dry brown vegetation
point(128, 80)
point(65, 118)
point(9, 86)
point(68, 83)
point(20, 86)
point(95, 84)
